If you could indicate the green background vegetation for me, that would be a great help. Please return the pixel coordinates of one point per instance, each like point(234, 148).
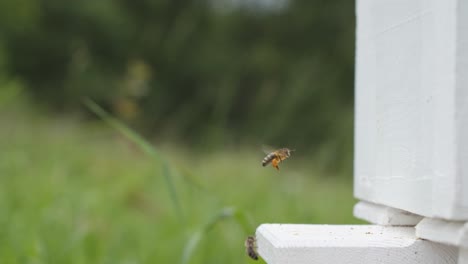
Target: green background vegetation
point(206, 86)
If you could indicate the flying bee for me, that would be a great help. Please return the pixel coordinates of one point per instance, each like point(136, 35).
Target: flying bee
point(276, 157)
point(251, 247)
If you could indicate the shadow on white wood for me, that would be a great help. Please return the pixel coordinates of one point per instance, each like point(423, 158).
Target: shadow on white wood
point(384, 215)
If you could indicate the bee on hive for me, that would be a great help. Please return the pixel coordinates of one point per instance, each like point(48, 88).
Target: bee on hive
point(251, 247)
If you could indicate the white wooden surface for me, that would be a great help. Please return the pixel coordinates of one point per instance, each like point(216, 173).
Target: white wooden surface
point(463, 256)
point(411, 138)
point(447, 232)
point(384, 215)
point(358, 244)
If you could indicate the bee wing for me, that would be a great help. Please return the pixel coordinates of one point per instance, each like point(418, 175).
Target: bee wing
point(267, 149)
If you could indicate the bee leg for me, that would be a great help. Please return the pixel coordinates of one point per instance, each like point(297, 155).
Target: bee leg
point(275, 163)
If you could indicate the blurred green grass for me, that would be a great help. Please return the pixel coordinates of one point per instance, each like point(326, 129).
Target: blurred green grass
point(79, 192)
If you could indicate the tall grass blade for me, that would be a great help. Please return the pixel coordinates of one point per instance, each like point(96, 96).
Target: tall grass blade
point(144, 145)
point(240, 217)
point(172, 190)
point(244, 221)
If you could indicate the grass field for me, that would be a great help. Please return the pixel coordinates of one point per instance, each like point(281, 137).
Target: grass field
point(80, 192)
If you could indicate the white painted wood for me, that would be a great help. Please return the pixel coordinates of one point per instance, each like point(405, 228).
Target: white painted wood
point(411, 128)
point(358, 244)
point(447, 232)
point(463, 256)
point(384, 215)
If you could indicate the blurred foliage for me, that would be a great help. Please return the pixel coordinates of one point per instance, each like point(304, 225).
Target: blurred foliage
point(193, 70)
point(82, 193)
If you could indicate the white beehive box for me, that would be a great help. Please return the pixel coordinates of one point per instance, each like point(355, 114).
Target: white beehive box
point(411, 140)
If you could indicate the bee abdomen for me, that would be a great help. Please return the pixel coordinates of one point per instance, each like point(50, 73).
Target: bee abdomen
point(252, 254)
point(268, 159)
